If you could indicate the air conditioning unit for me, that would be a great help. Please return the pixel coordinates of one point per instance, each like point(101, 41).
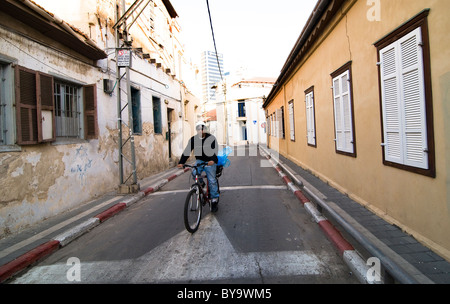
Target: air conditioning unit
point(108, 86)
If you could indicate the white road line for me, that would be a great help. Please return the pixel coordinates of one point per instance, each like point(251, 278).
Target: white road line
point(262, 187)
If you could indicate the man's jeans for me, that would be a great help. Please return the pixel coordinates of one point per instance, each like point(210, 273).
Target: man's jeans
point(211, 176)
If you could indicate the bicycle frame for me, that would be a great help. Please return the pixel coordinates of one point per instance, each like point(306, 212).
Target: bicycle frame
point(203, 196)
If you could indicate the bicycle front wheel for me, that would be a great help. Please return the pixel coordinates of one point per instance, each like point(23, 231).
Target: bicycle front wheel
point(192, 210)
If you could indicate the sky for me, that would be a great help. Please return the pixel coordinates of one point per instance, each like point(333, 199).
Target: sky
point(255, 34)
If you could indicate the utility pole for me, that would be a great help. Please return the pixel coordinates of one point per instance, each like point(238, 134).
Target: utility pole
point(125, 50)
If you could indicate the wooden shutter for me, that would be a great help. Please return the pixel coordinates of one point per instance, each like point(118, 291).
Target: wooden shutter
point(90, 111)
point(310, 123)
point(46, 109)
point(35, 109)
point(26, 106)
point(403, 102)
point(343, 113)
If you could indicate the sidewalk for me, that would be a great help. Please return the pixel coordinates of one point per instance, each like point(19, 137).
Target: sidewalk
point(403, 259)
point(19, 251)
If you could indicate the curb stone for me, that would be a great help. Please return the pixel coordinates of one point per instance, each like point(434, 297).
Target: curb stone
point(351, 257)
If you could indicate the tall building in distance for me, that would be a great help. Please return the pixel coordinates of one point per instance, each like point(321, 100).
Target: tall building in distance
point(211, 74)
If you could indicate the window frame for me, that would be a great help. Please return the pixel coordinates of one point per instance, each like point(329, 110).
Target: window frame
point(291, 114)
point(79, 105)
point(157, 115)
point(417, 22)
point(283, 128)
point(310, 125)
point(346, 68)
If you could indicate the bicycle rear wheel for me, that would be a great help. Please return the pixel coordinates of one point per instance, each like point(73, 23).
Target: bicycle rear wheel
point(192, 210)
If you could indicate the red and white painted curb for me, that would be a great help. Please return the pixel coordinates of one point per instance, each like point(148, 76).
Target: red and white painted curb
point(349, 254)
point(10, 269)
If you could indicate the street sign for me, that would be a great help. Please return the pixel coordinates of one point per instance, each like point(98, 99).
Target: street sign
point(124, 58)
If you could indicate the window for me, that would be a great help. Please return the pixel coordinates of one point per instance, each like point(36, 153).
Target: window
point(343, 111)
point(272, 125)
point(241, 109)
point(310, 117)
point(406, 101)
point(277, 123)
point(47, 108)
point(136, 111)
point(67, 110)
point(291, 120)
point(157, 119)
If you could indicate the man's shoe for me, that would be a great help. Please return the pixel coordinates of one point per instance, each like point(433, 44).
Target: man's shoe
point(214, 205)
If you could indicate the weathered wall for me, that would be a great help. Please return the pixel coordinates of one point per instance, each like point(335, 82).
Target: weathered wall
point(40, 181)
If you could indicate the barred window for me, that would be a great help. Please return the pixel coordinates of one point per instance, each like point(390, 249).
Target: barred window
point(67, 110)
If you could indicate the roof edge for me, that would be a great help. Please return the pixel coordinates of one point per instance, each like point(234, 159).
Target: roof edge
point(315, 19)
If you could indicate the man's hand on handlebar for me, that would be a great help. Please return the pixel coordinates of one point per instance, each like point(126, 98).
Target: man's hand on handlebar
point(210, 163)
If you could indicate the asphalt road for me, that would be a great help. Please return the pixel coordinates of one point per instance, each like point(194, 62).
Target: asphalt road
point(261, 234)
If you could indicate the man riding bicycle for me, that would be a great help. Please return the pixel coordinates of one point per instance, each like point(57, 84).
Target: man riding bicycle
point(205, 151)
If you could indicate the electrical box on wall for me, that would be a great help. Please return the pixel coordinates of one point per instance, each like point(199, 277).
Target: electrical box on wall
point(108, 86)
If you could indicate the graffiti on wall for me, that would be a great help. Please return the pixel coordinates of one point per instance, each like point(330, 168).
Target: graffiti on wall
point(81, 164)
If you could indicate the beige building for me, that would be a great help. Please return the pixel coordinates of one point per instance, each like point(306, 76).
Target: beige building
point(59, 126)
point(364, 97)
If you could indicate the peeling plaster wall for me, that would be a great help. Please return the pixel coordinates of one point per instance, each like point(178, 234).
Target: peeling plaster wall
point(41, 181)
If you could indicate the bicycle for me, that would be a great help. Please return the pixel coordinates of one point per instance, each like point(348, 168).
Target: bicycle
point(197, 198)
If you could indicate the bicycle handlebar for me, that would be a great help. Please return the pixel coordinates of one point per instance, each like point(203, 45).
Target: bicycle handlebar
point(195, 166)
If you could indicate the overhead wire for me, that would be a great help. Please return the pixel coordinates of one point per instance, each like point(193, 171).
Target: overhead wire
point(214, 39)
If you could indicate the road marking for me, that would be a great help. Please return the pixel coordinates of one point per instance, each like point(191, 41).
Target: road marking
point(262, 187)
point(206, 255)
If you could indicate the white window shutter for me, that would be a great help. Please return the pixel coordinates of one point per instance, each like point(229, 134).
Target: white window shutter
point(278, 123)
point(403, 102)
point(343, 113)
point(291, 120)
point(393, 148)
point(310, 126)
point(413, 96)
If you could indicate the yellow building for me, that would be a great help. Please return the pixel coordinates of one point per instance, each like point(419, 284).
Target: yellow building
point(363, 103)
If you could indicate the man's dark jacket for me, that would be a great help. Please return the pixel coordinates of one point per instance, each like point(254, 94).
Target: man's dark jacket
point(205, 148)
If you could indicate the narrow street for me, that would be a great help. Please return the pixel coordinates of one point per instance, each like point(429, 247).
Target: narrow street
point(261, 234)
